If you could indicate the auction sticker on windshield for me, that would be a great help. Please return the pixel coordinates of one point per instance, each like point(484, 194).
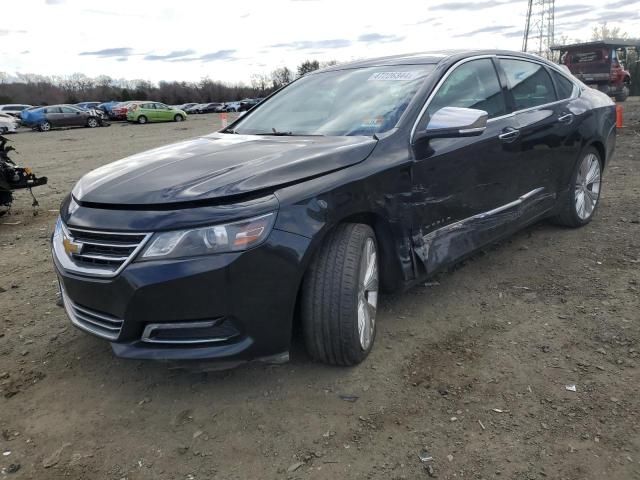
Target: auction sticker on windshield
point(394, 76)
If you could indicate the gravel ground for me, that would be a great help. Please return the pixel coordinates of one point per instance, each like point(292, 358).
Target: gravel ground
point(473, 367)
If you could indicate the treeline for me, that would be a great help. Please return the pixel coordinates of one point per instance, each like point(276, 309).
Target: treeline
point(35, 89)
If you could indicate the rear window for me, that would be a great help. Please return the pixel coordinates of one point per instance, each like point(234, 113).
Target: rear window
point(529, 82)
point(564, 87)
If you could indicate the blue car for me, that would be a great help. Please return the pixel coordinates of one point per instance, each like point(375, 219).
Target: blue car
point(108, 106)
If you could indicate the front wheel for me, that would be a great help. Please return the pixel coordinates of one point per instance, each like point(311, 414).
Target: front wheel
point(340, 297)
point(92, 122)
point(582, 198)
point(44, 126)
point(178, 118)
point(142, 119)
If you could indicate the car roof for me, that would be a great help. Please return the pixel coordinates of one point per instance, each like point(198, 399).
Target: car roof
point(600, 43)
point(427, 58)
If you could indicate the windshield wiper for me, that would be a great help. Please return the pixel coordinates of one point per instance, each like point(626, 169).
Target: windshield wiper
point(276, 133)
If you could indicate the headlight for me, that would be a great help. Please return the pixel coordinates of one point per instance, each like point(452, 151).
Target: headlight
point(230, 237)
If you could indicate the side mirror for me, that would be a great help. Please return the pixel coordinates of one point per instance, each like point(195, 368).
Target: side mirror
point(455, 122)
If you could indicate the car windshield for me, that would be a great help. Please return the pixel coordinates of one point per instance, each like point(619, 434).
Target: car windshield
point(362, 101)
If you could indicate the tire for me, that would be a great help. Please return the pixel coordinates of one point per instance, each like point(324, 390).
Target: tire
point(44, 126)
point(178, 118)
point(624, 94)
point(586, 184)
point(92, 122)
point(339, 297)
point(142, 119)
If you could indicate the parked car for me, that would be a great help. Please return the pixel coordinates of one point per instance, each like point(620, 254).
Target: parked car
point(88, 105)
point(232, 107)
point(210, 107)
point(14, 109)
point(601, 65)
point(8, 123)
point(247, 104)
point(185, 106)
point(145, 112)
point(46, 118)
point(106, 107)
point(195, 108)
point(356, 179)
point(119, 112)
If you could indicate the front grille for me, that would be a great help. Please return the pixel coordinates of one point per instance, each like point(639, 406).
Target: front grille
point(104, 249)
point(98, 323)
point(97, 253)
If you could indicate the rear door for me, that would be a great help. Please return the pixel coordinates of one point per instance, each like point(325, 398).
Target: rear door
point(54, 116)
point(463, 188)
point(545, 126)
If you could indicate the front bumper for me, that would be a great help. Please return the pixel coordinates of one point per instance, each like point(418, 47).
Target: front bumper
point(241, 304)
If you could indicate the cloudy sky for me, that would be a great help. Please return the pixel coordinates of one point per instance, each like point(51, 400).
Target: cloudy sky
point(230, 40)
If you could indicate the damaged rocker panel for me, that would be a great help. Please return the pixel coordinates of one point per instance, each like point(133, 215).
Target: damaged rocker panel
point(452, 242)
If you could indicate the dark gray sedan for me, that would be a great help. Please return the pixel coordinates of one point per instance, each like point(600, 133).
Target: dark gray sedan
point(46, 118)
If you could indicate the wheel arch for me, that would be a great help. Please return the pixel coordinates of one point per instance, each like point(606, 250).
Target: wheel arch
point(599, 146)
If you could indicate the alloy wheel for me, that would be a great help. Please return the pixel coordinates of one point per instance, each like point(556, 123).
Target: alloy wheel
point(367, 294)
point(587, 188)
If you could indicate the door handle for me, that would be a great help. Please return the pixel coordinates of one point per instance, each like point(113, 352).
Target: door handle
point(509, 135)
point(567, 118)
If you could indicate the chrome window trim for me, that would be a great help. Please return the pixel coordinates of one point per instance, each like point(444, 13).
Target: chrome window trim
point(70, 266)
point(437, 88)
point(574, 94)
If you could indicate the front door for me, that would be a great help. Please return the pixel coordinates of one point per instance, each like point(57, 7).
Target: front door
point(464, 189)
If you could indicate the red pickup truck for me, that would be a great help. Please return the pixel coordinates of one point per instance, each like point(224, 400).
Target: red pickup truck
point(600, 64)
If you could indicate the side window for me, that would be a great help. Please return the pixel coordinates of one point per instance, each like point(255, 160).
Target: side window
point(473, 84)
point(564, 87)
point(52, 110)
point(68, 110)
point(529, 82)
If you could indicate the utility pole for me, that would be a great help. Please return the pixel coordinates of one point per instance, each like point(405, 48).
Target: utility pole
point(539, 27)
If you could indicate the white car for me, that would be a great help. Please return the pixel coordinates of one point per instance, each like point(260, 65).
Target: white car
point(14, 109)
point(8, 123)
point(232, 107)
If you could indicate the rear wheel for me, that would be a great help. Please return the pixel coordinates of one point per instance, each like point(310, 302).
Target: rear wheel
point(92, 122)
point(178, 118)
point(580, 204)
point(44, 126)
point(142, 119)
point(624, 93)
point(340, 297)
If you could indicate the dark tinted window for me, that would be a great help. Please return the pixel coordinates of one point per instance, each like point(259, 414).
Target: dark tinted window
point(529, 82)
point(471, 85)
point(564, 87)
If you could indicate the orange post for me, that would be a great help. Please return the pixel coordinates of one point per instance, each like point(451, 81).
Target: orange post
point(619, 112)
point(223, 119)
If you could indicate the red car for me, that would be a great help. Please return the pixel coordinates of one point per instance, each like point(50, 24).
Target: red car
point(119, 112)
point(601, 65)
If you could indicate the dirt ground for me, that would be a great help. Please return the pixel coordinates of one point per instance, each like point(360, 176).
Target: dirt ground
point(473, 367)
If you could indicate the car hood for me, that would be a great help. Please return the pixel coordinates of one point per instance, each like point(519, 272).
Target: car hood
point(218, 166)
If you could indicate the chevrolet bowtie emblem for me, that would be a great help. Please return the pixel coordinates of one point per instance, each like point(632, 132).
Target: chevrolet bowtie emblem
point(71, 247)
